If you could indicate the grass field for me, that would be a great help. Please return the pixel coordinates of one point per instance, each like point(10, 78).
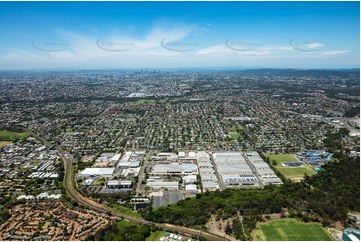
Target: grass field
point(279, 158)
point(124, 223)
point(235, 136)
point(237, 128)
point(236, 132)
point(126, 211)
point(3, 143)
point(155, 236)
point(290, 230)
point(46, 225)
point(293, 173)
point(6, 135)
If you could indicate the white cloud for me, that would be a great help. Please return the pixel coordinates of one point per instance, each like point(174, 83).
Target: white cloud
point(336, 52)
point(314, 45)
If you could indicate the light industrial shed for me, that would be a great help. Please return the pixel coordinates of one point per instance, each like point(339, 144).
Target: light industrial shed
point(103, 172)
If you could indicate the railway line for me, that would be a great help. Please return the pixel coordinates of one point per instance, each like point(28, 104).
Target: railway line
point(68, 162)
point(68, 177)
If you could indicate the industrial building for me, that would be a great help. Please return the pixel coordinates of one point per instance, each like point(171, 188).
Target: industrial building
point(190, 179)
point(228, 158)
point(316, 158)
point(174, 169)
point(234, 170)
point(191, 189)
point(163, 198)
point(351, 234)
point(263, 170)
point(207, 172)
point(254, 157)
point(240, 180)
point(209, 185)
point(118, 184)
point(98, 172)
point(158, 185)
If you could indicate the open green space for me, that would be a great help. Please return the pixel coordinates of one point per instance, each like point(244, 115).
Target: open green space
point(293, 173)
point(46, 225)
point(125, 231)
point(279, 158)
point(236, 131)
point(100, 182)
point(6, 135)
point(124, 223)
point(237, 128)
point(235, 136)
point(125, 211)
point(290, 230)
point(155, 236)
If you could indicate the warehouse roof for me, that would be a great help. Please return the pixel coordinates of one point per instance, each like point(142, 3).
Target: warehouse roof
point(209, 185)
point(206, 177)
point(272, 180)
point(191, 187)
point(265, 171)
point(260, 165)
point(174, 167)
point(226, 168)
point(98, 171)
point(240, 178)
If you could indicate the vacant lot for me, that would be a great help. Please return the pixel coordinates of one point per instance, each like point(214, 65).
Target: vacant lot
point(290, 230)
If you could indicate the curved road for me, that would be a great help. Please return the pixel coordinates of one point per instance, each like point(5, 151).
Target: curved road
point(68, 167)
point(68, 163)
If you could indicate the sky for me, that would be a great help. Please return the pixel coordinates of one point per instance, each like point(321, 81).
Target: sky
point(123, 35)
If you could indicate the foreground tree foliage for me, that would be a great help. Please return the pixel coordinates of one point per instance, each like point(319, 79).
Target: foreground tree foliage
point(122, 232)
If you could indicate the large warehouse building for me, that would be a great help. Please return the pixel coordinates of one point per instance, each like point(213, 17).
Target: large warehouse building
point(98, 172)
point(175, 169)
point(234, 170)
point(265, 173)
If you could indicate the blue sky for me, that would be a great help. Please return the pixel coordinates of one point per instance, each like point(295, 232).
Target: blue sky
point(179, 34)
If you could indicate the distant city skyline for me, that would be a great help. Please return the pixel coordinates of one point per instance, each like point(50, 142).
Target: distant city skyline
point(130, 35)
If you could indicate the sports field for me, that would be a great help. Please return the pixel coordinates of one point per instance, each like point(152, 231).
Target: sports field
point(290, 230)
point(6, 135)
point(279, 158)
point(293, 173)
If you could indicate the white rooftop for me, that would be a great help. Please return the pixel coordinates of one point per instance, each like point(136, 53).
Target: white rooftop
point(98, 171)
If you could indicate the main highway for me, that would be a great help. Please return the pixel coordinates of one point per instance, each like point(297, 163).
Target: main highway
point(74, 194)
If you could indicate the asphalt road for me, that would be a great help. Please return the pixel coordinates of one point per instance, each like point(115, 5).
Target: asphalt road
point(68, 167)
point(68, 162)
